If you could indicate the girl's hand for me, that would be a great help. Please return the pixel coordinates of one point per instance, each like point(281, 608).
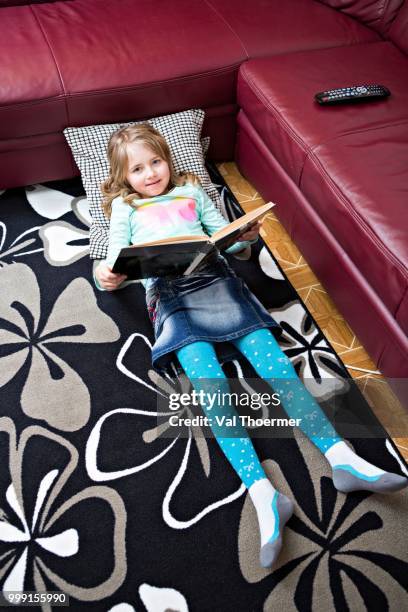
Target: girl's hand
point(107, 279)
point(252, 233)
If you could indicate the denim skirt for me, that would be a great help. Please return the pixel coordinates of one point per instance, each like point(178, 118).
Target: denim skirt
point(212, 305)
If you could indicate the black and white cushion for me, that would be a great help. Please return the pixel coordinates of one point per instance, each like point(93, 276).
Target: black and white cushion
point(88, 144)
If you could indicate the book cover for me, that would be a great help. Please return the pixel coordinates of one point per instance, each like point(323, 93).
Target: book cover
point(184, 254)
point(171, 259)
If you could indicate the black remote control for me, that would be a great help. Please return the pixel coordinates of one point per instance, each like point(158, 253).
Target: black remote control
point(352, 94)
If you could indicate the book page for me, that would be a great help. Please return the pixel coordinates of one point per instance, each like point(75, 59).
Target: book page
point(242, 222)
point(174, 240)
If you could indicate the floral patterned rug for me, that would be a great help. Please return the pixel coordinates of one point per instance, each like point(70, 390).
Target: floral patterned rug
point(95, 503)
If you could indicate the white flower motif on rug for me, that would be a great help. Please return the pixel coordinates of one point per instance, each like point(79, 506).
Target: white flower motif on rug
point(165, 386)
point(65, 243)
point(49, 203)
point(156, 599)
point(50, 381)
point(268, 265)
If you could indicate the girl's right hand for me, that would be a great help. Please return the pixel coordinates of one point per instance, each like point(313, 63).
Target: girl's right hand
point(107, 279)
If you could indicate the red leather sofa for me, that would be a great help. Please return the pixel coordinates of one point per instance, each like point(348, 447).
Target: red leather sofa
point(339, 175)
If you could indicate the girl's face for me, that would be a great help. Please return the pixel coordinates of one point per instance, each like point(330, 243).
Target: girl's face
point(148, 174)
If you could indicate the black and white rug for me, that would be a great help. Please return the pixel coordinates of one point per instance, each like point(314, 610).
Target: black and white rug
point(95, 503)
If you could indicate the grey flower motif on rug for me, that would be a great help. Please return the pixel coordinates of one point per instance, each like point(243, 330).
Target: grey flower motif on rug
point(53, 390)
point(27, 243)
point(338, 549)
point(32, 543)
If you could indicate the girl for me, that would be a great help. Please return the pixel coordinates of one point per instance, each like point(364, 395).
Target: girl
point(196, 316)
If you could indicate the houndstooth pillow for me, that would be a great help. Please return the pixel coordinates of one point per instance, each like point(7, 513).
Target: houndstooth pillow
point(89, 144)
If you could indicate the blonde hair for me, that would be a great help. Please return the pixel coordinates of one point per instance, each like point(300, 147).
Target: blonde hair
point(117, 184)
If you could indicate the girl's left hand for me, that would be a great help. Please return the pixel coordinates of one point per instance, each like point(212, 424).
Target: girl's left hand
point(252, 233)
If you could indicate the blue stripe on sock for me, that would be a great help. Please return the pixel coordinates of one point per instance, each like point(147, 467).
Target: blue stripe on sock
point(277, 517)
point(353, 471)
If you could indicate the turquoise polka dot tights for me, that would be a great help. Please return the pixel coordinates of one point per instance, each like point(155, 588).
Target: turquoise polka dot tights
point(200, 363)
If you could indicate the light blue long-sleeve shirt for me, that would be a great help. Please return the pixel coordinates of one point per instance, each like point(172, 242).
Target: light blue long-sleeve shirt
point(184, 211)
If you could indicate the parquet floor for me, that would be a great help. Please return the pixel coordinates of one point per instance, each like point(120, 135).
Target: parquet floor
point(372, 384)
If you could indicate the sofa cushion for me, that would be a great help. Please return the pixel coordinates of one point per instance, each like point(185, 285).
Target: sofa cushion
point(277, 94)
point(275, 27)
point(182, 132)
point(123, 64)
point(361, 198)
point(377, 14)
point(31, 91)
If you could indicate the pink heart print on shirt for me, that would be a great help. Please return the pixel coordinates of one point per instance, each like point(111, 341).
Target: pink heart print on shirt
point(169, 211)
point(187, 209)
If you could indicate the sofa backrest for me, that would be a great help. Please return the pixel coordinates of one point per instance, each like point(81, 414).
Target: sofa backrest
point(399, 30)
point(377, 14)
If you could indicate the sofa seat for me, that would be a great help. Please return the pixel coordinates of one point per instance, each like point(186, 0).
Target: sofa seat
point(342, 169)
point(85, 62)
point(277, 95)
point(347, 160)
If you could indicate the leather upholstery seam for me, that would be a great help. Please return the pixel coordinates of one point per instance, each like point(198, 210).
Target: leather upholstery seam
point(54, 59)
point(401, 302)
point(37, 102)
point(34, 144)
point(228, 25)
point(378, 361)
point(323, 143)
point(370, 233)
point(383, 12)
point(155, 84)
point(126, 89)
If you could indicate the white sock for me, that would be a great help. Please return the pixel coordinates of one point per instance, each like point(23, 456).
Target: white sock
point(262, 493)
point(341, 454)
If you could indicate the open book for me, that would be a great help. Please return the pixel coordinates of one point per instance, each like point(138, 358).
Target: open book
point(184, 254)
